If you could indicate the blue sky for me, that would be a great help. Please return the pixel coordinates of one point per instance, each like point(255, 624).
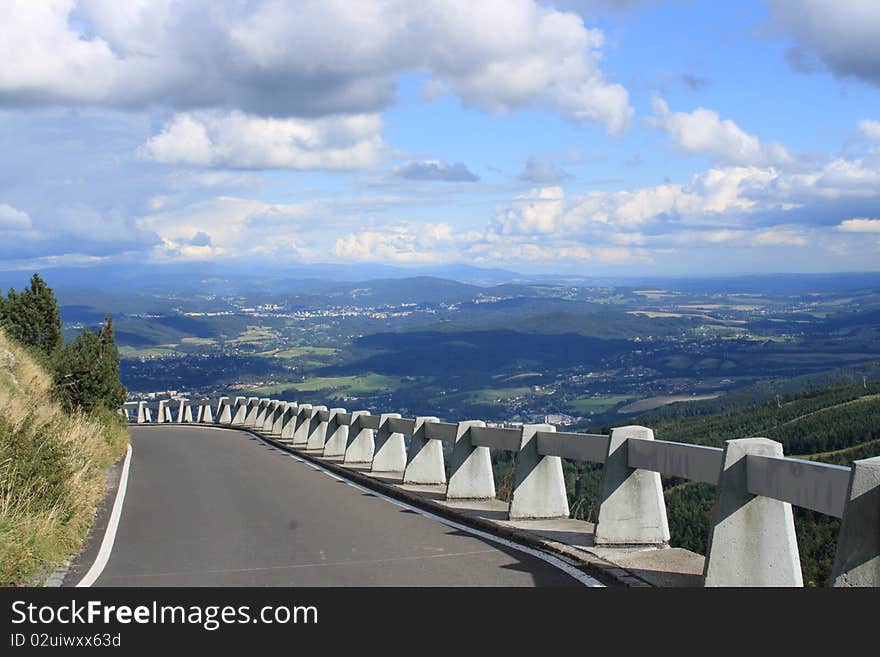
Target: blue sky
point(583, 136)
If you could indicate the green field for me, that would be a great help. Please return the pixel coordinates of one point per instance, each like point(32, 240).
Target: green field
point(359, 384)
point(593, 405)
point(305, 351)
point(149, 352)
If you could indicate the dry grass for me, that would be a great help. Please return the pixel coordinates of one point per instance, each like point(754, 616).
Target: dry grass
point(51, 468)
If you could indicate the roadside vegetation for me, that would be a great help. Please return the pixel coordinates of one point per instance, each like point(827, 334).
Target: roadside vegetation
point(59, 431)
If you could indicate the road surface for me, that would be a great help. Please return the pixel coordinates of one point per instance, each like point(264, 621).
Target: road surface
point(208, 507)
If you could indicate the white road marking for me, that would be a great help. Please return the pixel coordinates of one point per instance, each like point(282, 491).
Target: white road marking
point(112, 525)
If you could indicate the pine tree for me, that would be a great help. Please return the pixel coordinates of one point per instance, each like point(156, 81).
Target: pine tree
point(87, 370)
point(32, 317)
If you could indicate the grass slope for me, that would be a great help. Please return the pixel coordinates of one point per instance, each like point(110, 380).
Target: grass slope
point(51, 469)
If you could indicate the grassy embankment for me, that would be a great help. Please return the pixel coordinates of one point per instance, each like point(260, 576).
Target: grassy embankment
point(52, 468)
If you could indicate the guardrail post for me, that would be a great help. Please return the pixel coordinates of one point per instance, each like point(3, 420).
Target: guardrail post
point(204, 414)
point(289, 420)
point(538, 483)
point(239, 411)
point(303, 420)
point(471, 468)
point(752, 541)
point(317, 433)
point(224, 411)
point(184, 412)
point(278, 418)
point(143, 414)
point(361, 441)
point(255, 410)
point(164, 414)
point(309, 425)
point(424, 459)
point(269, 416)
point(632, 509)
point(857, 562)
point(390, 455)
point(336, 437)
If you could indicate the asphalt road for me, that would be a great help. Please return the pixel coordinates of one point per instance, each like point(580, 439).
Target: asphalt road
point(219, 508)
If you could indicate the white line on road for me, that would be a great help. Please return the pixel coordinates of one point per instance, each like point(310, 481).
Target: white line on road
point(112, 525)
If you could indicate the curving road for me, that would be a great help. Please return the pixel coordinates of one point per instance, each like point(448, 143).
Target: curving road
point(207, 507)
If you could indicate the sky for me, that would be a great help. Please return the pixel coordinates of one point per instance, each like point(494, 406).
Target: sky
point(590, 137)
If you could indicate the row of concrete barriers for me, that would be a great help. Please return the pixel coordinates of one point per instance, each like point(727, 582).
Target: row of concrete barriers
point(752, 540)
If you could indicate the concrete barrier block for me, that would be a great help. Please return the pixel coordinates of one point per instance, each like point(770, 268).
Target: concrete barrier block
point(303, 423)
point(239, 411)
point(336, 437)
point(269, 416)
point(256, 413)
point(224, 411)
point(538, 483)
point(184, 412)
point(632, 509)
point(143, 413)
point(288, 422)
point(424, 458)
point(278, 418)
point(390, 455)
point(857, 562)
point(317, 431)
point(361, 441)
point(164, 414)
point(471, 467)
point(752, 541)
point(204, 414)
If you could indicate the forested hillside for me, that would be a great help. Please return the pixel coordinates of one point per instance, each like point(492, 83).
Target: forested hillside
point(837, 424)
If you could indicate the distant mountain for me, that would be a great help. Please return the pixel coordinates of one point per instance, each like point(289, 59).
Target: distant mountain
point(242, 277)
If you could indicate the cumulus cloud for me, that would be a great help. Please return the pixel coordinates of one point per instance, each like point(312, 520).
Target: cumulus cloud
point(402, 242)
point(540, 171)
point(324, 58)
point(722, 203)
point(435, 170)
point(704, 131)
point(860, 226)
point(235, 139)
point(841, 34)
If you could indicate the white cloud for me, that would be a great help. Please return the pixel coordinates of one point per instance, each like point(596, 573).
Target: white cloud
point(842, 34)
point(268, 58)
point(860, 226)
point(704, 131)
point(234, 139)
point(13, 219)
point(230, 226)
point(401, 243)
point(780, 237)
point(870, 129)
